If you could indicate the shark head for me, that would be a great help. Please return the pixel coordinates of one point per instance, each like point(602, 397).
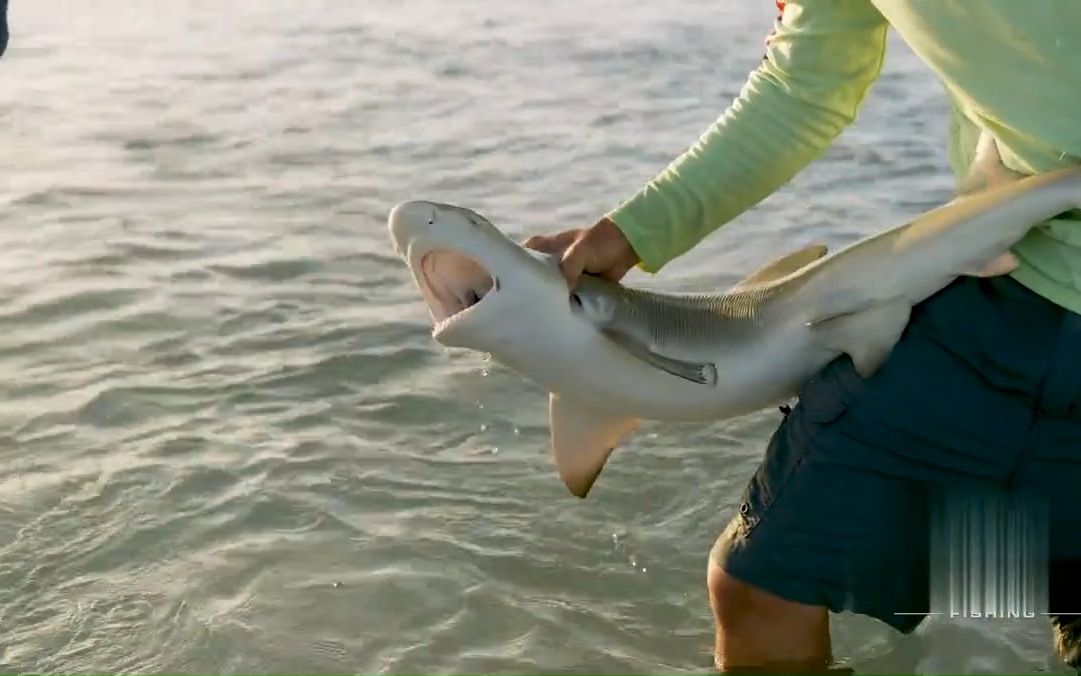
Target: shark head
point(488, 293)
point(481, 288)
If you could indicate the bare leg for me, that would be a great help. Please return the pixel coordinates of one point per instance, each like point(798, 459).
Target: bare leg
point(758, 631)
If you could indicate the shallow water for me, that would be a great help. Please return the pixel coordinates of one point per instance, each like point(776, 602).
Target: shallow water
point(228, 441)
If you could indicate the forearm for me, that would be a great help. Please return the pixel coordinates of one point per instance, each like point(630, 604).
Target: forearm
point(806, 92)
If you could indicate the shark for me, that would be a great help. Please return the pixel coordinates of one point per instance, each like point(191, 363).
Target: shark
point(611, 356)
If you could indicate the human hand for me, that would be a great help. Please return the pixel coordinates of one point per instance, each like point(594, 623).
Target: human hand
point(601, 250)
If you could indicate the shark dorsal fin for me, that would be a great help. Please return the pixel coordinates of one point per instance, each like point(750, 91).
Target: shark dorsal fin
point(785, 265)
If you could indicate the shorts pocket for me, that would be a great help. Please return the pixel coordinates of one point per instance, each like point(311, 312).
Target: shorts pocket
point(823, 400)
point(825, 397)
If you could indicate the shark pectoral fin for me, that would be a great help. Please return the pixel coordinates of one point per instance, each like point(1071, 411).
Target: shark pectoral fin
point(1000, 265)
point(696, 372)
point(785, 265)
point(867, 335)
point(582, 440)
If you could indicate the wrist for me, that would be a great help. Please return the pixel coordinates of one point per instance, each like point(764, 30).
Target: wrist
point(610, 233)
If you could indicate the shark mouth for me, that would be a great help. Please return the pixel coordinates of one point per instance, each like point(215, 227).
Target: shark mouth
point(453, 284)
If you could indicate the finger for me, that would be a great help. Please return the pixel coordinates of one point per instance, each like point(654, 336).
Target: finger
point(574, 260)
point(552, 244)
point(539, 243)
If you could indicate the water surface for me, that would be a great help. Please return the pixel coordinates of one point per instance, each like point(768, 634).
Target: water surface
point(228, 443)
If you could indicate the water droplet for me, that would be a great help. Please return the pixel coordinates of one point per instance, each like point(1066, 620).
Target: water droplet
point(643, 569)
point(615, 538)
point(634, 562)
point(483, 428)
point(517, 431)
point(495, 449)
point(338, 584)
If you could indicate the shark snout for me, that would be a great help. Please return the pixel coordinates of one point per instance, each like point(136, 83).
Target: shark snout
point(410, 220)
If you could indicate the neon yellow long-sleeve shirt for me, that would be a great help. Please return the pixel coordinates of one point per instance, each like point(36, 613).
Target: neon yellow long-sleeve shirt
point(1012, 68)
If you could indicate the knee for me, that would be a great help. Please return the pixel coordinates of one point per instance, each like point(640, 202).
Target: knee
point(741, 608)
point(728, 597)
point(755, 627)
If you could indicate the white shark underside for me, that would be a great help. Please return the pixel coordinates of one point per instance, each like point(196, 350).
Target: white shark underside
point(611, 356)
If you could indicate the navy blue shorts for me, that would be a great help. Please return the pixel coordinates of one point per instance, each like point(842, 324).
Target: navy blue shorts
point(3, 26)
point(983, 391)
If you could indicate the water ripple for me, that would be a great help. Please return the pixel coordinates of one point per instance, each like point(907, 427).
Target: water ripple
point(229, 443)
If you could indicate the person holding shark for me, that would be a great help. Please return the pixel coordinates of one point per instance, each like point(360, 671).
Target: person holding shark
point(984, 386)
